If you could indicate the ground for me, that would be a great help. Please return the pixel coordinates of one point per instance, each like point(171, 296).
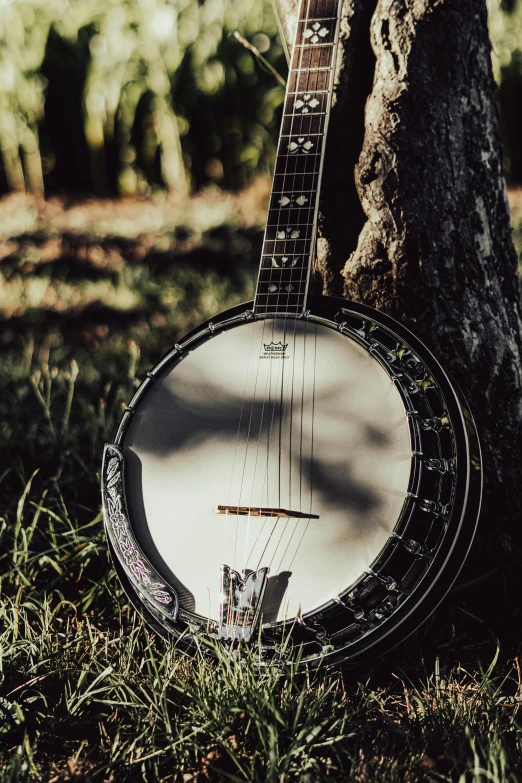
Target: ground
point(92, 293)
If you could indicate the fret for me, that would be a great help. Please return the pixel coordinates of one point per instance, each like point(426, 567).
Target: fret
point(296, 135)
point(275, 247)
point(291, 217)
point(287, 234)
point(308, 71)
point(316, 92)
point(285, 260)
point(292, 182)
point(312, 57)
point(312, 43)
point(284, 284)
point(298, 164)
point(318, 19)
point(303, 155)
point(298, 216)
point(305, 231)
point(274, 274)
point(301, 168)
point(311, 102)
point(277, 223)
point(296, 271)
point(281, 299)
point(278, 307)
point(304, 101)
point(290, 281)
point(309, 125)
point(288, 199)
point(297, 253)
point(301, 145)
point(278, 303)
point(286, 217)
point(282, 294)
point(280, 223)
point(318, 9)
point(304, 197)
point(268, 275)
point(287, 246)
point(294, 109)
point(306, 81)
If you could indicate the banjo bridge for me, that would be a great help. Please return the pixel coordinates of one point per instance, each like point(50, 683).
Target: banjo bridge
point(262, 511)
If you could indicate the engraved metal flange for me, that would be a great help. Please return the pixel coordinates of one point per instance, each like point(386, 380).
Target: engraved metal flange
point(142, 575)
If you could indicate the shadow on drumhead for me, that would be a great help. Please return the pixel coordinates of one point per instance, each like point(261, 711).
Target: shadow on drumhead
point(134, 492)
point(274, 593)
point(170, 422)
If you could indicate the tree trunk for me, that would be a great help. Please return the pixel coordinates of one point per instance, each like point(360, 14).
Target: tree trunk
point(424, 235)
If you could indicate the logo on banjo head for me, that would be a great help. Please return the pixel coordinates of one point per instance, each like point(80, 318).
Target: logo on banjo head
point(274, 350)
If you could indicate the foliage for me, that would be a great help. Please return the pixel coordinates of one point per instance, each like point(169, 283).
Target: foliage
point(515, 203)
point(131, 96)
point(505, 25)
point(95, 95)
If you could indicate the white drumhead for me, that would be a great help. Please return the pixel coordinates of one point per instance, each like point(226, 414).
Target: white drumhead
point(275, 413)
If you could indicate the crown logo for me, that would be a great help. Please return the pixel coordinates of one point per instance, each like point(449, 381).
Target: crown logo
point(275, 347)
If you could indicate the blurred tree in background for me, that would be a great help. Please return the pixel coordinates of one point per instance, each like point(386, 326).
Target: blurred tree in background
point(505, 23)
point(100, 95)
point(122, 97)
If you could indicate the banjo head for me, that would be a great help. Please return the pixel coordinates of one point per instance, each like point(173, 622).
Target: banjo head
point(308, 476)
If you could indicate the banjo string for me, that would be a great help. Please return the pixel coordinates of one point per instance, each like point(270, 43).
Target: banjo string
point(280, 296)
point(303, 272)
point(278, 299)
point(282, 401)
point(330, 78)
point(243, 401)
point(311, 449)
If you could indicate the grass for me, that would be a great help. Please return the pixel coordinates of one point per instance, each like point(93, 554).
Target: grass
point(87, 692)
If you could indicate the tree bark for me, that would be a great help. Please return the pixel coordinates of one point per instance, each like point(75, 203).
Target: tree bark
point(424, 235)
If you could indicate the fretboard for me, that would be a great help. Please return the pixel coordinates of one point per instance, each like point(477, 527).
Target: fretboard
point(292, 214)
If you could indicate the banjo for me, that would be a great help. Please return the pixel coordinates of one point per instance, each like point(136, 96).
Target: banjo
point(297, 474)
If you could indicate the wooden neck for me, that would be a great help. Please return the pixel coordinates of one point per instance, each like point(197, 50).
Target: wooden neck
point(292, 215)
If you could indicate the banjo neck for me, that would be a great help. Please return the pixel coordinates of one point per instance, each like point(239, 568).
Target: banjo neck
point(289, 239)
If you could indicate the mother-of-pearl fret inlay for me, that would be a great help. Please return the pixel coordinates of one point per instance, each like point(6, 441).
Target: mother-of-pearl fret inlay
point(288, 233)
point(293, 199)
point(301, 145)
point(284, 262)
point(304, 104)
point(273, 288)
point(316, 32)
point(292, 215)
